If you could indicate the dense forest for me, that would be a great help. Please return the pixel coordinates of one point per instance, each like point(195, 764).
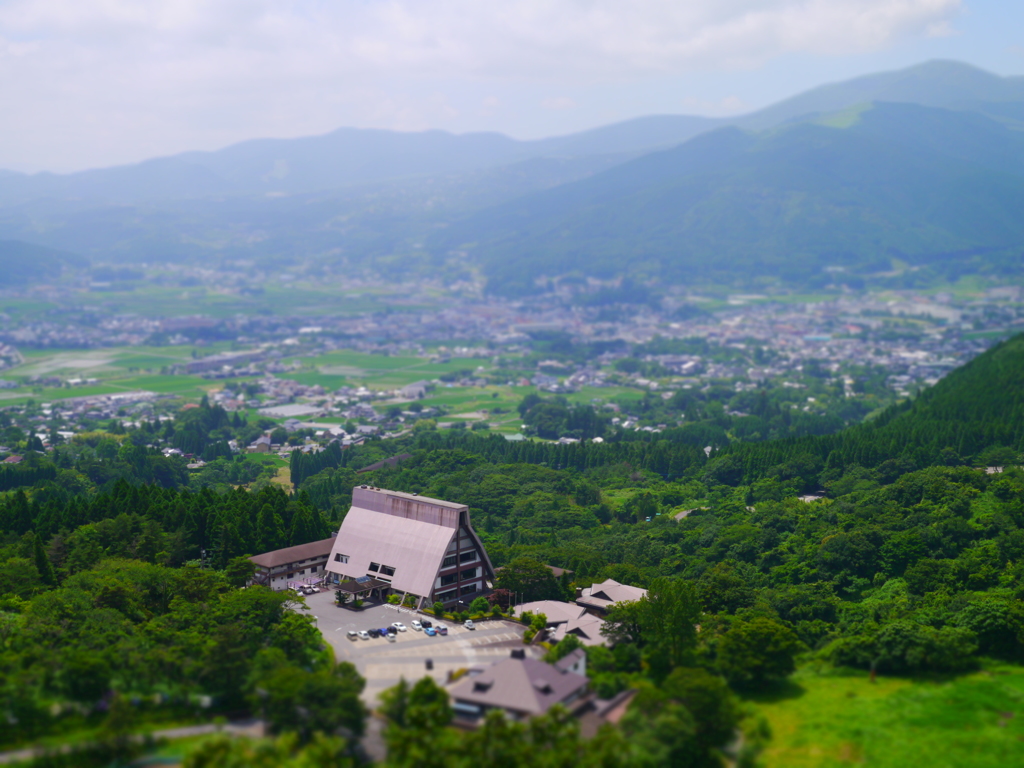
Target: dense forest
point(120, 573)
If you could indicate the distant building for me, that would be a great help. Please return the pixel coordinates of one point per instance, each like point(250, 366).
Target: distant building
point(419, 546)
point(601, 597)
point(302, 563)
point(415, 391)
point(217, 362)
point(394, 461)
point(262, 444)
point(522, 688)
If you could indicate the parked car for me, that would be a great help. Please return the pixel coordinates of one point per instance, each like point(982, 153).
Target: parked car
point(416, 625)
point(430, 631)
point(390, 637)
point(364, 635)
point(427, 623)
point(442, 629)
point(373, 632)
point(352, 635)
point(468, 624)
point(399, 626)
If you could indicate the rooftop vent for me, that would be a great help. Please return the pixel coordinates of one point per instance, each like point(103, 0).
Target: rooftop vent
point(542, 685)
point(482, 686)
point(518, 653)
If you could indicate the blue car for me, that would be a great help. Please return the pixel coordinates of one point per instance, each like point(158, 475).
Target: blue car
point(430, 631)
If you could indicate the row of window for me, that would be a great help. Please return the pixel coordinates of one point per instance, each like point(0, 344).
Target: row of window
point(451, 578)
point(451, 594)
point(465, 557)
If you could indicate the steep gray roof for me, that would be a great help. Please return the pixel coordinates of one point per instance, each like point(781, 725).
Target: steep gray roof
point(409, 532)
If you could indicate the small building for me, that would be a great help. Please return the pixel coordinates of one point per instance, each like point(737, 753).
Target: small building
point(566, 619)
point(262, 444)
point(600, 597)
point(420, 546)
point(303, 563)
point(522, 688)
point(415, 391)
point(394, 461)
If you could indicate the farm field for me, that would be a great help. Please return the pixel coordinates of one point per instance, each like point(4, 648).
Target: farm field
point(116, 370)
point(826, 721)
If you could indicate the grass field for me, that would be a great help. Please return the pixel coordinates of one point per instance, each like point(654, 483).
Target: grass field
point(824, 721)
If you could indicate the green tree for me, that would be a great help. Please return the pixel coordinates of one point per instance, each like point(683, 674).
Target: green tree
point(530, 579)
point(756, 652)
point(239, 571)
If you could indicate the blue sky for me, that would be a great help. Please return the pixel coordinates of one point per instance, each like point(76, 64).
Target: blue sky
point(89, 83)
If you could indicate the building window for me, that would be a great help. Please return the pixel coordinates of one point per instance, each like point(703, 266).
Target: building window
point(449, 561)
point(375, 566)
point(468, 589)
point(387, 570)
point(469, 573)
point(449, 579)
point(465, 557)
point(444, 597)
point(341, 558)
point(302, 572)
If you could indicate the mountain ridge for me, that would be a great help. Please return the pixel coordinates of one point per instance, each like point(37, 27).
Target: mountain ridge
point(348, 156)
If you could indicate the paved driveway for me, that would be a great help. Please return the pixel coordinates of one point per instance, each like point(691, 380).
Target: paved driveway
point(383, 663)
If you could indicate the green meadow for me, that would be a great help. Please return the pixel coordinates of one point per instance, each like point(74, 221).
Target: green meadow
point(837, 719)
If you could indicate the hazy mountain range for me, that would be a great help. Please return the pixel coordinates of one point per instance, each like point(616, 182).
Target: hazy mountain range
point(923, 165)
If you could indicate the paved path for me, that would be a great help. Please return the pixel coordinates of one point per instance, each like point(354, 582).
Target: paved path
point(242, 728)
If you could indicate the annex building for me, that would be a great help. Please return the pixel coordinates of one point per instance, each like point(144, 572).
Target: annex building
point(409, 545)
point(289, 567)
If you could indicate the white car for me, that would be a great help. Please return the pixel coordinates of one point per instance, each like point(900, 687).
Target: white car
point(468, 624)
point(364, 635)
point(399, 626)
point(416, 625)
point(352, 634)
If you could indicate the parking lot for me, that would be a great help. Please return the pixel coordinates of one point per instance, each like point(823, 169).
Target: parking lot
point(383, 663)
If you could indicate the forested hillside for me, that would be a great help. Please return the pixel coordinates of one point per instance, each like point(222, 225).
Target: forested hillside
point(848, 191)
point(119, 572)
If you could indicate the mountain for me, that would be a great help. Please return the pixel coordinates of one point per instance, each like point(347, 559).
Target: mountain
point(848, 191)
point(350, 156)
point(23, 263)
point(847, 175)
point(943, 84)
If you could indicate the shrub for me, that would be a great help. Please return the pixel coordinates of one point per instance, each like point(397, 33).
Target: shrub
point(904, 647)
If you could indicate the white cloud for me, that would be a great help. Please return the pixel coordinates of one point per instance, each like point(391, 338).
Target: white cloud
point(76, 74)
point(558, 102)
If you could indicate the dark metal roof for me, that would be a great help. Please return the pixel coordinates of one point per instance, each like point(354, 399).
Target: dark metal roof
point(314, 549)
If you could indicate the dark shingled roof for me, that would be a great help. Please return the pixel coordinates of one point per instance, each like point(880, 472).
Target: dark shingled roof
point(521, 685)
point(393, 461)
point(287, 555)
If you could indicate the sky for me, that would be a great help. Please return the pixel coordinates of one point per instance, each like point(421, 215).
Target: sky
point(94, 83)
